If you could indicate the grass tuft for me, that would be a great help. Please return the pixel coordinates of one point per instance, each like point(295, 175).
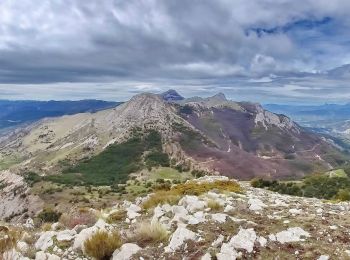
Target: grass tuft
point(149, 233)
point(214, 205)
point(102, 244)
point(8, 240)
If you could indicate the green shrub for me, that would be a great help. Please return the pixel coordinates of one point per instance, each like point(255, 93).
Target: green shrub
point(343, 195)
point(31, 178)
point(116, 162)
point(157, 158)
point(49, 215)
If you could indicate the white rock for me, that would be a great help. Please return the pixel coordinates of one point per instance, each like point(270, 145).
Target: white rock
point(245, 239)
point(262, 241)
point(158, 212)
point(22, 246)
point(66, 235)
point(13, 255)
point(272, 237)
point(323, 257)
point(229, 208)
point(219, 217)
point(88, 232)
point(41, 255)
point(319, 211)
point(126, 251)
point(55, 226)
point(218, 241)
point(256, 204)
point(29, 223)
point(45, 240)
point(180, 213)
point(192, 203)
point(227, 252)
point(291, 235)
point(197, 218)
point(207, 256)
point(280, 203)
point(180, 235)
point(295, 211)
point(333, 227)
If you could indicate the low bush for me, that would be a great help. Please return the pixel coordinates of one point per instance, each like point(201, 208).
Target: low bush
point(157, 158)
point(49, 215)
point(343, 195)
point(149, 233)
point(80, 217)
point(175, 193)
point(31, 178)
point(102, 244)
point(317, 185)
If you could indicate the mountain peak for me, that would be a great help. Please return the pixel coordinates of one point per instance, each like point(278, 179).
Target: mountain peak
point(219, 96)
point(171, 95)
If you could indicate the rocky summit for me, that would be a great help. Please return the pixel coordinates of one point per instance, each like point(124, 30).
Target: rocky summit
point(220, 224)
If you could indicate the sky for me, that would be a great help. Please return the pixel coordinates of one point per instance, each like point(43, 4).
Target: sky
point(268, 51)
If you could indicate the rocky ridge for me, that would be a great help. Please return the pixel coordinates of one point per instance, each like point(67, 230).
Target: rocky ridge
point(255, 224)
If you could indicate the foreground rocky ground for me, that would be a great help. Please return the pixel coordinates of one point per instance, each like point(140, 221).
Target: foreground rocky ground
point(252, 224)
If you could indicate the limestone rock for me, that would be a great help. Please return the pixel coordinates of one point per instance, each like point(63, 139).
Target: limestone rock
point(291, 235)
point(126, 251)
point(180, 235)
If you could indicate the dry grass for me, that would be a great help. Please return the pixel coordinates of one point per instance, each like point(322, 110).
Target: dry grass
point(173, 195)
point(102, 244)
point(46, 227)
point(214, 205)
point(8, 240)
point(116, 216)
point(149, 233)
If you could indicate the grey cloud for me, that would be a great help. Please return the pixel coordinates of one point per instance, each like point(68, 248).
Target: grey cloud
point(112, 49)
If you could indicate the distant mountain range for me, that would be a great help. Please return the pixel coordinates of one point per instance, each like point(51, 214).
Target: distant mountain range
point(237, 139)
point(316, 114)
point(328, 119)
point(13, 113)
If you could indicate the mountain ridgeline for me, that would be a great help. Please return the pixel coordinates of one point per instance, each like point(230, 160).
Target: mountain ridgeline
point(14, 113)
point(214, 135)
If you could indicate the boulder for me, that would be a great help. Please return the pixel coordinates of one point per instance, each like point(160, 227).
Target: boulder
point(291, 235)
point(192, 203)
point(66, 235)
point(45, 240)
point(126, 251)
point(227, 252)
point(256, 204)
point(245, 239)
point(180, 235)
point(219, 217)
point(41, 255)
point(88, 232)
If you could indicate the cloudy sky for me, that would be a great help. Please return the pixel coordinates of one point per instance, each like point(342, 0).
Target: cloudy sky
point(267, 51)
